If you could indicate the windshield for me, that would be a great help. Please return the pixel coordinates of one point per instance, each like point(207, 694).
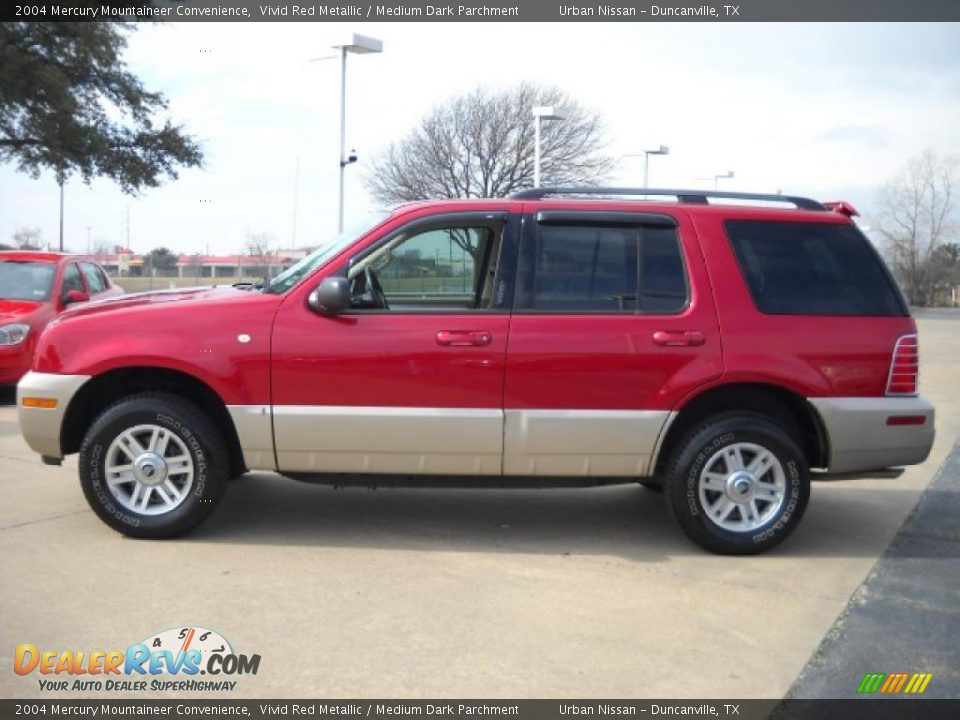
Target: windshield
point(26, 280)
point(295, 273)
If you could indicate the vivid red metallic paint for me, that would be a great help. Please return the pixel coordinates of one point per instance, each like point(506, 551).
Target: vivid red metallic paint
point(15, 360)
point(297, 357)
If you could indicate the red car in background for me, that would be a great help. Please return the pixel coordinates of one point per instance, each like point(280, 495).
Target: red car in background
point(34, 288)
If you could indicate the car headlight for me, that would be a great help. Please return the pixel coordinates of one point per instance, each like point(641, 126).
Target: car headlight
point(13, 334)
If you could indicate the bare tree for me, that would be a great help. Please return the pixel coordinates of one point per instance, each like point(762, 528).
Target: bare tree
point(482, 145)
point(27, 238)
point(916, 220)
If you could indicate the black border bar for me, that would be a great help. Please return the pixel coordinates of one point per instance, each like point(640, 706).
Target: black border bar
point(361, 11)
point(855, 709)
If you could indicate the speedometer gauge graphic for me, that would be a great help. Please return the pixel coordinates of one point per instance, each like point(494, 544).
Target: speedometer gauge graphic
point(194, 637)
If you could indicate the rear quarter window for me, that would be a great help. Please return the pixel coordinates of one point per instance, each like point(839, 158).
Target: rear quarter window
point(799, 268)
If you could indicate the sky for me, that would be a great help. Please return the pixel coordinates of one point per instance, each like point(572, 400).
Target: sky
point(831, 111)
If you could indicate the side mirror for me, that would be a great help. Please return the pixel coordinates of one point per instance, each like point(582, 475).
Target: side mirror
point(75, 296)
point(331, 296)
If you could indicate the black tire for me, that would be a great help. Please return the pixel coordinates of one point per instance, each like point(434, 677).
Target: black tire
point(651, 485)
point(701, 446)
point(196, 433)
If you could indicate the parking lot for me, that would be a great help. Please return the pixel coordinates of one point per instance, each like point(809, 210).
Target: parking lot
point(458, 593)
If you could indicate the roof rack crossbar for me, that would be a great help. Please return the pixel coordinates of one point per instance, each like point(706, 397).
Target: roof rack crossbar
point(691, 197)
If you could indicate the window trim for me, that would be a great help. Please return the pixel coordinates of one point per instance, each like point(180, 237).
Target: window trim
point(603, 217)
point(503, 222)
point(580, 218)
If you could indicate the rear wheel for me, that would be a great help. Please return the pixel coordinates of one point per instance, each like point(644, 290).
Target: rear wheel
point(738, 484)
point(153, 466)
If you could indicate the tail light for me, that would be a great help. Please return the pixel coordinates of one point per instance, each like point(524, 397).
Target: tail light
point(904, 367)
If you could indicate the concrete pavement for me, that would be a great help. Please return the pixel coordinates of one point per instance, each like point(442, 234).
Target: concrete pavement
point(455, 593)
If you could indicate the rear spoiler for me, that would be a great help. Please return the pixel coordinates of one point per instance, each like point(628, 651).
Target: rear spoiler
point(844, 208)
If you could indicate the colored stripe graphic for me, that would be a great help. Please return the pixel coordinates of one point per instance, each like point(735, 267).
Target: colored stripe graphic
point(871, 682)
point(918, 683)
point(894, 683)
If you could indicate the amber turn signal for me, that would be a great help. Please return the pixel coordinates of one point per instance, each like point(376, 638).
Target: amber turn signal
point(39, 402)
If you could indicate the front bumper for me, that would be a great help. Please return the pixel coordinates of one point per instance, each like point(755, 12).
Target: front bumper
point(860, 438)
point(41, 426)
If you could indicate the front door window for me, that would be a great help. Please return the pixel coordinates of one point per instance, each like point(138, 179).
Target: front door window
point(443, 269)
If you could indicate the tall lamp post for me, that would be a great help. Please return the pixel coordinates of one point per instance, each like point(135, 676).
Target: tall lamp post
point(662, 150)
point(360, 45)
point(61, 216)
point(540, 113)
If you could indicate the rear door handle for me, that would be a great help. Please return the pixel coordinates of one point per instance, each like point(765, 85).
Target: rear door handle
point(679, 338)
point(461, 338)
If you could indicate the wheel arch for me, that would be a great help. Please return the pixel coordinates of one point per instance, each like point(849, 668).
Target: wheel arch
point(789, 409)
point(105, 389)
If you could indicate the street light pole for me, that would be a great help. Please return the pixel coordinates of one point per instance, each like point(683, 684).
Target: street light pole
point(536, 150)
point(360, 45)
point(725, 176)
point(61, 216)
point(662, 150)
point(540, 113)
point(343, 132)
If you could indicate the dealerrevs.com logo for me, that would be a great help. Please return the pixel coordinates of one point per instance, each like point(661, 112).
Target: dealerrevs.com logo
point(171, 660)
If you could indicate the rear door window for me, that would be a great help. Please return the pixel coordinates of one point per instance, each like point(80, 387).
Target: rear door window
point(799, 268)
point(587, 268)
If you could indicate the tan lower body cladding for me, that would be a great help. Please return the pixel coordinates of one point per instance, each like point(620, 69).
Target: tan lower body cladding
point(450, 441)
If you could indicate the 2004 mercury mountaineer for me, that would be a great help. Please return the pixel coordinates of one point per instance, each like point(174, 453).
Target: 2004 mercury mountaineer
point(562, 336)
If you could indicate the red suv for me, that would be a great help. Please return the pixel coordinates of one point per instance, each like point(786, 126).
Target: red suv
point(34, 287)
point(719, 346)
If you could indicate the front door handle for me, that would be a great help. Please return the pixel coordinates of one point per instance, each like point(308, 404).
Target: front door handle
point(679, 338)
point(461, 338)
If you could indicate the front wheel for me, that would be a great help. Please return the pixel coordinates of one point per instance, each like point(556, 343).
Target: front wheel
point(738, 484)
point(153, 466)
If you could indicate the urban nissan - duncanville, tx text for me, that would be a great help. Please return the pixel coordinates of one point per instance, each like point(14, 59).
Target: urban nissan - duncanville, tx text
point(717, 346)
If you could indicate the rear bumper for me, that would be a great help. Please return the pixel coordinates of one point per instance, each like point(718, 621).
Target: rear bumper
point(860, 438)
point(41, 426)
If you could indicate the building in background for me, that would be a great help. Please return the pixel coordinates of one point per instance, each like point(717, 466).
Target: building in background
point(123, 262)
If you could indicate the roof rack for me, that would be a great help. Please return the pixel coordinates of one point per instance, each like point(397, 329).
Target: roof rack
point(688, 197)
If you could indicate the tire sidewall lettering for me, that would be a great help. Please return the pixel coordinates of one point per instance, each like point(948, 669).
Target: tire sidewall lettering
point(193, 443)
point(693, 474)
point(97, 459)
point(793, 480)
